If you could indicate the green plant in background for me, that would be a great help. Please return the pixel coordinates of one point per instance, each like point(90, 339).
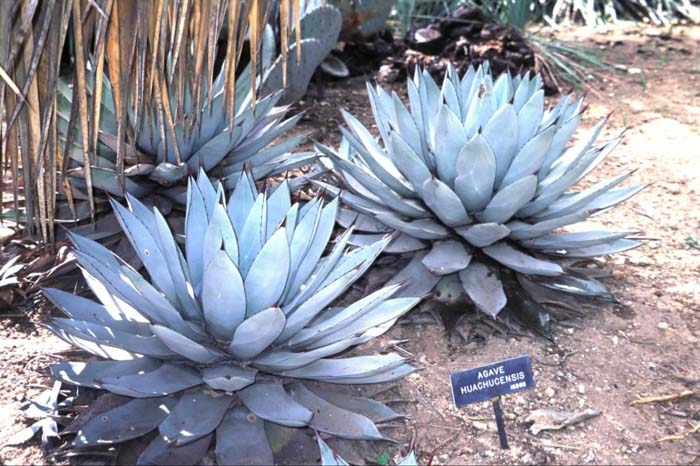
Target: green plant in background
point(477, 179)
point(600, 11)
point(218, 343)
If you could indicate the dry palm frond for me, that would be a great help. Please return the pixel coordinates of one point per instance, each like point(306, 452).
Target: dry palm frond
point(149, 50)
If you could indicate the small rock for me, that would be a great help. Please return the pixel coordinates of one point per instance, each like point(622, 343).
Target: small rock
point(482, 426)
point(663, 325)
point(549, 391)
point(615, 340)
point(634, 71)
point(581, 389)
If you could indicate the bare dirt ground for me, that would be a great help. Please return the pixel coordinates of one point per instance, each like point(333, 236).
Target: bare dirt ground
point(645, 345)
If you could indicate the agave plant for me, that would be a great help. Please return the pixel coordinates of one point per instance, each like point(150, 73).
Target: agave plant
point(218, 343)
point(477, 177)
point(163, 156)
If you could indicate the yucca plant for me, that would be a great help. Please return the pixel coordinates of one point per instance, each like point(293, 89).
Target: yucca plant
point(216, 345)
point(477, 177)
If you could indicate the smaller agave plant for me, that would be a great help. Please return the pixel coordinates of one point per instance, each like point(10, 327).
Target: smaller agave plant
point(200, 138)
point(478, 179)
point(216, 346)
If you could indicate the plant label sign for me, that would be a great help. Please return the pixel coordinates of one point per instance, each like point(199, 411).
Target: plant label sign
point(492, 380)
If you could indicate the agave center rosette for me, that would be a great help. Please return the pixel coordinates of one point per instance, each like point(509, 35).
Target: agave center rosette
point(200, 136)
point(213, 343)
point(477, 178)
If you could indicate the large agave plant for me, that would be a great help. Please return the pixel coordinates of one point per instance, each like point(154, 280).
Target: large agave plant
point(477, 177)
point(216, 345)
point(201, 136)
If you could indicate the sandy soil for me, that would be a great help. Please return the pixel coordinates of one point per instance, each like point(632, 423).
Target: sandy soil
point(645, 345)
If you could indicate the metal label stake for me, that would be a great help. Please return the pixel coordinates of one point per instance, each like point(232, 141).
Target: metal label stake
point(491, 381)
point(500, 424)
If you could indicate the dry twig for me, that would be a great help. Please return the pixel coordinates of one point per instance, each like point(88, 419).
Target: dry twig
point(651, 399)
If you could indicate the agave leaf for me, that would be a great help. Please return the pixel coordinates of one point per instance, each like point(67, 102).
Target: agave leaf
point(597, 250)
point(387, 376)
point(484, 288)
point(194, 416)
point(529, 159)
point(147, 346)
point(228, 377)
point(521, 262)
point(300, 290)
point(476, 174)
point(400, 244)
point(353, 367)
point(579, 200)
point(573, 284)
point(448, 139)
point(278, 361)
point(115, 290)
point(165, 380)
point(159, 452)
point(184, 346)
point(256, 333)
point(362, 222)
point(444, 203)
point(323, 229)
point(176, 263)
point(268, 400)
point(298, 317)
point(386, 312)
point(405, 125)
point(509, 200)
point(574, 240)
point(267, 276)
point(376, 188)
point(422, 229)
point(328, 456)
point(215, 150)
point(375, 157)
point(84, 309)
point(278, 204)
point(484, 234)
point(529, 117)
point(88, 374)
point(224, 307)
point(148, 251)
point(447, 257)
point(613, 198)
point(130, 420)
point(561, 138)
point(195, 227)
point(521, 230)
point(251, 236)
point(501, 134)
point(377, 412)
point(343, 317)
point(331, 419)
point(408, 162)
point(419, 281)
point(241, 202)
point(240, 439)
point(357, 260)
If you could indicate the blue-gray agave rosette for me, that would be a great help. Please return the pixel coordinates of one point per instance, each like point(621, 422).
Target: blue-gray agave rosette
point(211, 345)
point(202, 136)
point(477, 177)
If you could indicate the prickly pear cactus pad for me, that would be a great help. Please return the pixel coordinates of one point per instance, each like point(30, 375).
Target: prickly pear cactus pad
point(217, 344)
point(478, 178)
